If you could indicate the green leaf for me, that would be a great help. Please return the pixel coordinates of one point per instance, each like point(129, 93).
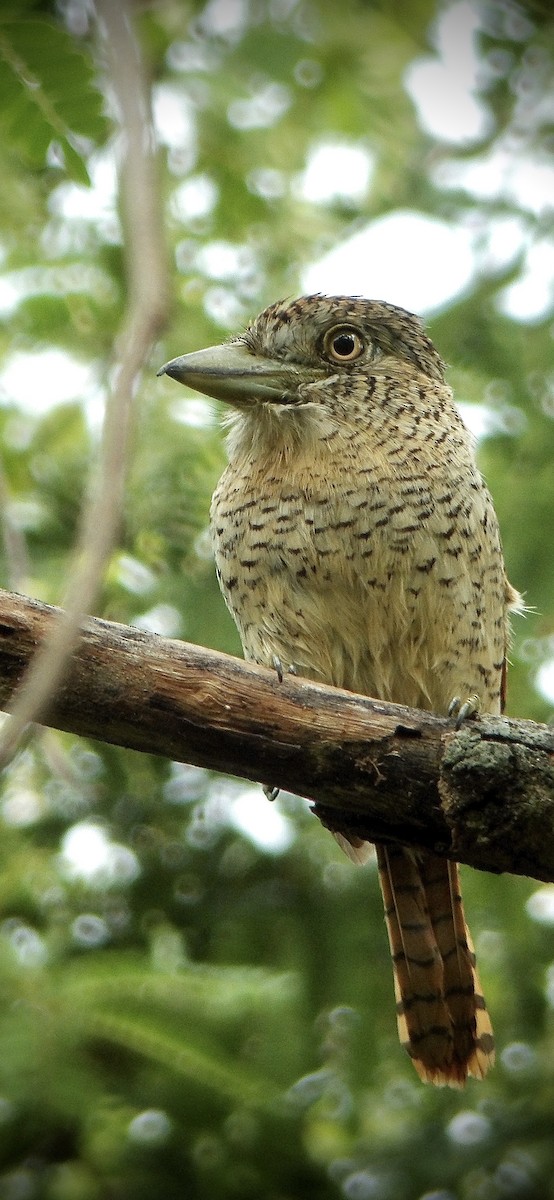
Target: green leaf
point(48, 97)
point(187, 1021)
point(209, 1069)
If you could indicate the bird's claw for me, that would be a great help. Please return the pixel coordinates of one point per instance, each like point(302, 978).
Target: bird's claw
point(270, 792)
point(462, 711)
point(278, 665)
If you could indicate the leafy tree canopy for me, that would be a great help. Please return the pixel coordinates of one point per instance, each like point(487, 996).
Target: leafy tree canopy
point(197, 1003)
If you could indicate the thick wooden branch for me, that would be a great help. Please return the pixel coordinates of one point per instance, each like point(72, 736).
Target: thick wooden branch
point(483, 795)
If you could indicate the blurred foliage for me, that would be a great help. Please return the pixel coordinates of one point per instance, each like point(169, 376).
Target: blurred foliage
point(47, 95)
point(199, 1015)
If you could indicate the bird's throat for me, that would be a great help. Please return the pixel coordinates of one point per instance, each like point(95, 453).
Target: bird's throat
point(280, 431)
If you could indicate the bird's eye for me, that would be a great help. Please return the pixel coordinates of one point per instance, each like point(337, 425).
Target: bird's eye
point(343, 344)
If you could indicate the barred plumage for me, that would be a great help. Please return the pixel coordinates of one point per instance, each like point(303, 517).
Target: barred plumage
point(356, 542)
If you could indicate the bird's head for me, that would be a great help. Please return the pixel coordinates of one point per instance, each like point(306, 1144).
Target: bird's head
point(289, 353)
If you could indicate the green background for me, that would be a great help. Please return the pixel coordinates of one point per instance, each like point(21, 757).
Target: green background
point(204, 1017)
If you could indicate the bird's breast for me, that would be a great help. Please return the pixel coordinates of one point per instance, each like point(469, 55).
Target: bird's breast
point(373, 564)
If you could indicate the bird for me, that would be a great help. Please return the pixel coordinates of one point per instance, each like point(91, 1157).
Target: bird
point(356, 544)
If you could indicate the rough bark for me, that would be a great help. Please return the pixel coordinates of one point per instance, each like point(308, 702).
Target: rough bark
point(483, 795)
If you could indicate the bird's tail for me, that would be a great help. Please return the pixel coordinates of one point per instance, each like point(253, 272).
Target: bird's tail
point(442, 1018)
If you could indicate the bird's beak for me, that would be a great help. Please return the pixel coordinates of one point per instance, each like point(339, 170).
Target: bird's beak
point(233, 373)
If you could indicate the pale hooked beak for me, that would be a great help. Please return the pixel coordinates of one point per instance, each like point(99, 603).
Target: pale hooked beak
point(233, 373)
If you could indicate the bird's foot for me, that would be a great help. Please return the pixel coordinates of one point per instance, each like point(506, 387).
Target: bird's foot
point(462, 710)
point(278, 665)
point(272, 792)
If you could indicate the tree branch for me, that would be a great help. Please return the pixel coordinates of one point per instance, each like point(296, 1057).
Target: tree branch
point(483, 795)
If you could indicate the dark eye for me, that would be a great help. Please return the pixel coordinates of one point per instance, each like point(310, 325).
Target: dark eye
point(343, 344)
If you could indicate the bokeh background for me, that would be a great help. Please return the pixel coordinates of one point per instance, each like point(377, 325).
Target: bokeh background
point(195, 992)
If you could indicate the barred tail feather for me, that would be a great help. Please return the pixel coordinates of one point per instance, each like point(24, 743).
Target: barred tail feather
point(442, 1018)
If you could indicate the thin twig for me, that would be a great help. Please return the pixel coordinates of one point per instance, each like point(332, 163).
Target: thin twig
point(146, 314)
point(15, 546)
